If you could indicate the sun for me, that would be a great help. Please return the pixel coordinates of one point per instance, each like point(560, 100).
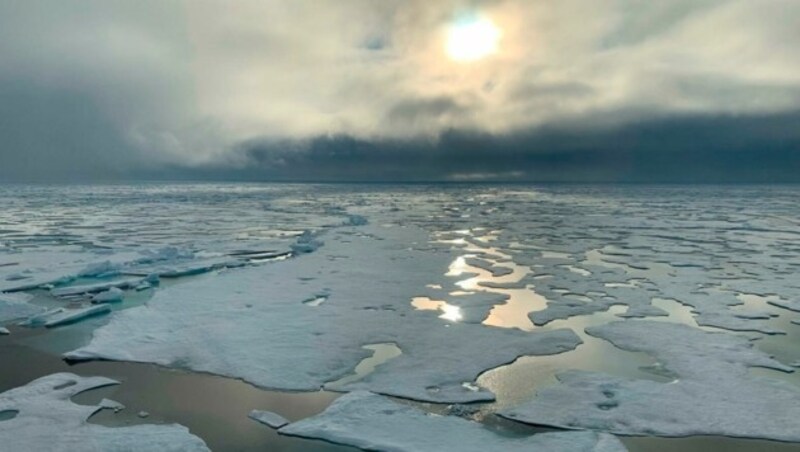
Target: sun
point(472, 39)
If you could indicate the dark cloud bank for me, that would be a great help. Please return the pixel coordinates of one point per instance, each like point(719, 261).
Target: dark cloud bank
point(58, 135)
point(742, 149)
point(738, 149)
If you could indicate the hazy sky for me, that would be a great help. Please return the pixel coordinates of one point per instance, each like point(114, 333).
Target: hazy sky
point(577, 90)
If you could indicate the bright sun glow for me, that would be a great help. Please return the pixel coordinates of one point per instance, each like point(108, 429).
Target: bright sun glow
point(473, 39)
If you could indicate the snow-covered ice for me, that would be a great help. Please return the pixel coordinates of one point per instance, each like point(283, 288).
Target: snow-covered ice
point(286, 285)
point(713, 394)
point(372, 422)
point(16, 306)
point(102, 231)
point(67, 316)
point(252, 324)
point(46, 419)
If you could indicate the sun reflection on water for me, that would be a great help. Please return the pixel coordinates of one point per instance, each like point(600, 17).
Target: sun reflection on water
point(458, 267)
point(449, 312)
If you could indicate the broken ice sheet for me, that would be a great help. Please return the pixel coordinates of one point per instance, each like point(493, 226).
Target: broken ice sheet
point(712, 394)
point(673, 245)
point(112, 295)
point(16, 306)
point(111, 405)
point(44, 418)
point(39, 268)
point(372, 422)
point(95, 288)
point(252, 324)
point(67, 316)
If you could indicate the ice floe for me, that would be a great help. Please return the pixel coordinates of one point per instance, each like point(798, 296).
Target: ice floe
point(495, 270)
point(713, 394)
point(252, 324)
point(112, 295)
point(46, 419)
point(372, 422)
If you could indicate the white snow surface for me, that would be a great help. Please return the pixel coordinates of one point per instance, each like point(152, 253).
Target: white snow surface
point(46, 419)
point(373, 422)
point(252, 323)
point(712, 395)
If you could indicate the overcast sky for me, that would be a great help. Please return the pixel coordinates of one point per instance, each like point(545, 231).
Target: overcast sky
point(577, 90)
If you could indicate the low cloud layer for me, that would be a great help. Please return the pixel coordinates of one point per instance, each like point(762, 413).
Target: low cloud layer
point(580, 90)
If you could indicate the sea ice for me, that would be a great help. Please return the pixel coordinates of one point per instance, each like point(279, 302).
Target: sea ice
point(94, 288)
point(268, 418)
point(51, 267)
point(372, 422)
point(586, 250)
point(100, 270)
point(15, 306)
point(496, 270)
point(252, 324)
point(712, 395)
point(67, 316)
point(46, 419)
point(470, 307)
point(112, 295)
point(786, 304)
point(180, 269)
point(111, 405)
point(306, 243)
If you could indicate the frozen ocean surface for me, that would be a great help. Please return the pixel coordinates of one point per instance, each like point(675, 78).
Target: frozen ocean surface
point(661, 311)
